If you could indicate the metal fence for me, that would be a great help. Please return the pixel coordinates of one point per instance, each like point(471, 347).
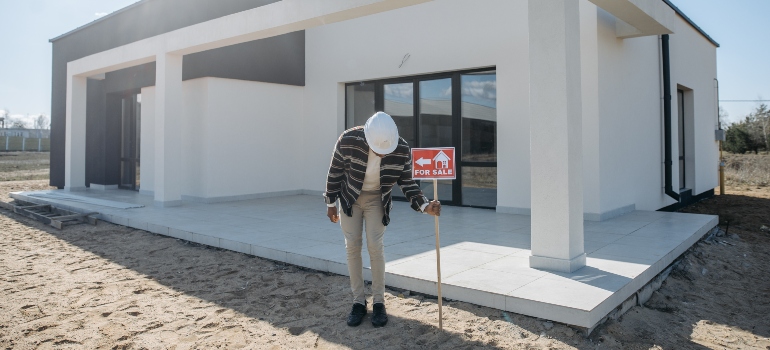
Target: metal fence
point(20, 143)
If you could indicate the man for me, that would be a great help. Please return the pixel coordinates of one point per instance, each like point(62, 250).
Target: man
point(367, 162)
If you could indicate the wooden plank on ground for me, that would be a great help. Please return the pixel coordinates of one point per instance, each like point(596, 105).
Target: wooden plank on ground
point(58, 221)
point(48, 214)
point(30, 207)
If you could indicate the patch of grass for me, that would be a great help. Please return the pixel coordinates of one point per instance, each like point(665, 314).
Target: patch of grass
point(747, 169)
point(17, 166)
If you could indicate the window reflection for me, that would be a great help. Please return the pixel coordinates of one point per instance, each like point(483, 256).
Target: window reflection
point(436, 113)
point(436, 126)
point(479, 117)
point(399, 104)
point(480, 186)
point(359, 104)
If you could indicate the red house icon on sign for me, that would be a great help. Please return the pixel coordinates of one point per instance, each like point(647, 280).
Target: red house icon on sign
point(441, 160)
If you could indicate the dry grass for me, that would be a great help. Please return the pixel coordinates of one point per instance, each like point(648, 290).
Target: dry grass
point(17, 166)
point(747, 169)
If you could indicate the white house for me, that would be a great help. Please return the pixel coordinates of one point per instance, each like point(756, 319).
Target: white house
point(565, 109)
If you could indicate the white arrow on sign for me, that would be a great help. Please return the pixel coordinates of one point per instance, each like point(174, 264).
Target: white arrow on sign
point(422, 161)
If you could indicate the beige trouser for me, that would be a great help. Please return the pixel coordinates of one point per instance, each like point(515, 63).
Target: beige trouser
point(367, 209)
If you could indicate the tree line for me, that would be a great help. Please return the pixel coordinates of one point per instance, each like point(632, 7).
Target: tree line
point(7, 121)
point(752, 134)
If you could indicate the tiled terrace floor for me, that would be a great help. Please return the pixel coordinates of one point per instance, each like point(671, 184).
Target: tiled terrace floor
point(484, 255)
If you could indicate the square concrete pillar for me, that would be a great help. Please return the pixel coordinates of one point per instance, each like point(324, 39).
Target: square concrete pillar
point(75, 134)
point(556, 153)
point(168, 130)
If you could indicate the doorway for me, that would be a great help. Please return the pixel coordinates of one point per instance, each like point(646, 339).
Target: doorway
point(130, 134)
point(681, 136)
point(453, 109)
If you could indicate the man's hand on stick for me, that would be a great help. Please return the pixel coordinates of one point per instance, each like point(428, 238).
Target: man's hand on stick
point(433, 208)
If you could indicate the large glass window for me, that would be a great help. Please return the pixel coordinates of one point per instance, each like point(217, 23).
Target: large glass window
point(479, 186)
point(436, 113)
point(359, 104)
point(479, 138)
point(399, 104)
point(479, 116)
point(436, 124)
point(456, 109)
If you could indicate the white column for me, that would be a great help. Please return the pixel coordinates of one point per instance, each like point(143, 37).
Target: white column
point(75, 135)
point(556, 152)
point(168, 130)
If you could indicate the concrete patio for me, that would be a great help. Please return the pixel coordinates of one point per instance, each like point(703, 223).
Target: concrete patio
point(485, 255)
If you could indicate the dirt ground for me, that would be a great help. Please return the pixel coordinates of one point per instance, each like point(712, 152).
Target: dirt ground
point(115, 287)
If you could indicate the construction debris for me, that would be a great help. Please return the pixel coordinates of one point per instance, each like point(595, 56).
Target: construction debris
point(49, 214)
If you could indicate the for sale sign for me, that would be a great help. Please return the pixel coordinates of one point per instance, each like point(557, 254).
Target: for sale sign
point(433, 163)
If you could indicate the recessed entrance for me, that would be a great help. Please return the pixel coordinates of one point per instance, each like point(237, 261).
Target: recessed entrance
point(130, 123)
point(681, 136)
point(455, 109)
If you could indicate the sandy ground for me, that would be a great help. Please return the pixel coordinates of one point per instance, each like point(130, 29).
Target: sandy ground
point(115, 287)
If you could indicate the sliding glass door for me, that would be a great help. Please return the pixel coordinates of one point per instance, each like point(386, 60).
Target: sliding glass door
point(455, 109)
point(437, 126)
point(478, 112)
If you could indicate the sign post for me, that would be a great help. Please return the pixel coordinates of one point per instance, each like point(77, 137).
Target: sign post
point(434, 164)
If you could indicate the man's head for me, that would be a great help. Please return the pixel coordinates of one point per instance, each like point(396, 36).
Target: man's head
point(381, 133)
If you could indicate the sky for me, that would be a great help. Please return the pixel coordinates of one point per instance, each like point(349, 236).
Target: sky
point(741, 28)
point(25, 53)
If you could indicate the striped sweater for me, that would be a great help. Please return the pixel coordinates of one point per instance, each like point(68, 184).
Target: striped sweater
point(348, 168)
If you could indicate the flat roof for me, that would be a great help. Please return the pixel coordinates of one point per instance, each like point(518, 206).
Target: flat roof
point(104, 18)
point(681, 14)
point(100, 19)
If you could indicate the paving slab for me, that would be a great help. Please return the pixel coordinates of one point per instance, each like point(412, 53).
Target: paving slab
point(484, 254)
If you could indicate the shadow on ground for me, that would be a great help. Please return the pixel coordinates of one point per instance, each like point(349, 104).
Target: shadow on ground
point(291, 299)
point(296, 302)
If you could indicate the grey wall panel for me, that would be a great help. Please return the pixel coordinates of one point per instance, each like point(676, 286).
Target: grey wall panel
point(130, 79)
point(152, 17)
point(280, 59)
point(276, 60)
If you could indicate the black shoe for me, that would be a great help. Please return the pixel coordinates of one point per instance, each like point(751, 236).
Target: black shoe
point(356, 315)
point(379, 317)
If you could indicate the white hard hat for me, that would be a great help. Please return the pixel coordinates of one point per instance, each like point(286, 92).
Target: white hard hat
point(381, 133)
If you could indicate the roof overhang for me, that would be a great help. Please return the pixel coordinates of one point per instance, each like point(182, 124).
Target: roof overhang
point(639, 17)
point(262, 22)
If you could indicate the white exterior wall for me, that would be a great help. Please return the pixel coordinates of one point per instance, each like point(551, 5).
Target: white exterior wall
point(195, 138)
point(589, 79)
point(631, 115)
point(252, 141)
point(442, 35)
point(232, 128)
point(147, 142)
point(622, 106)
point(630, 120)
point(237, 139)
point(694, 65)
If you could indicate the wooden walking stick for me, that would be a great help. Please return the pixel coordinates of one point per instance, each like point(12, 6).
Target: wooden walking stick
point(438, 259)
point(433, 164)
